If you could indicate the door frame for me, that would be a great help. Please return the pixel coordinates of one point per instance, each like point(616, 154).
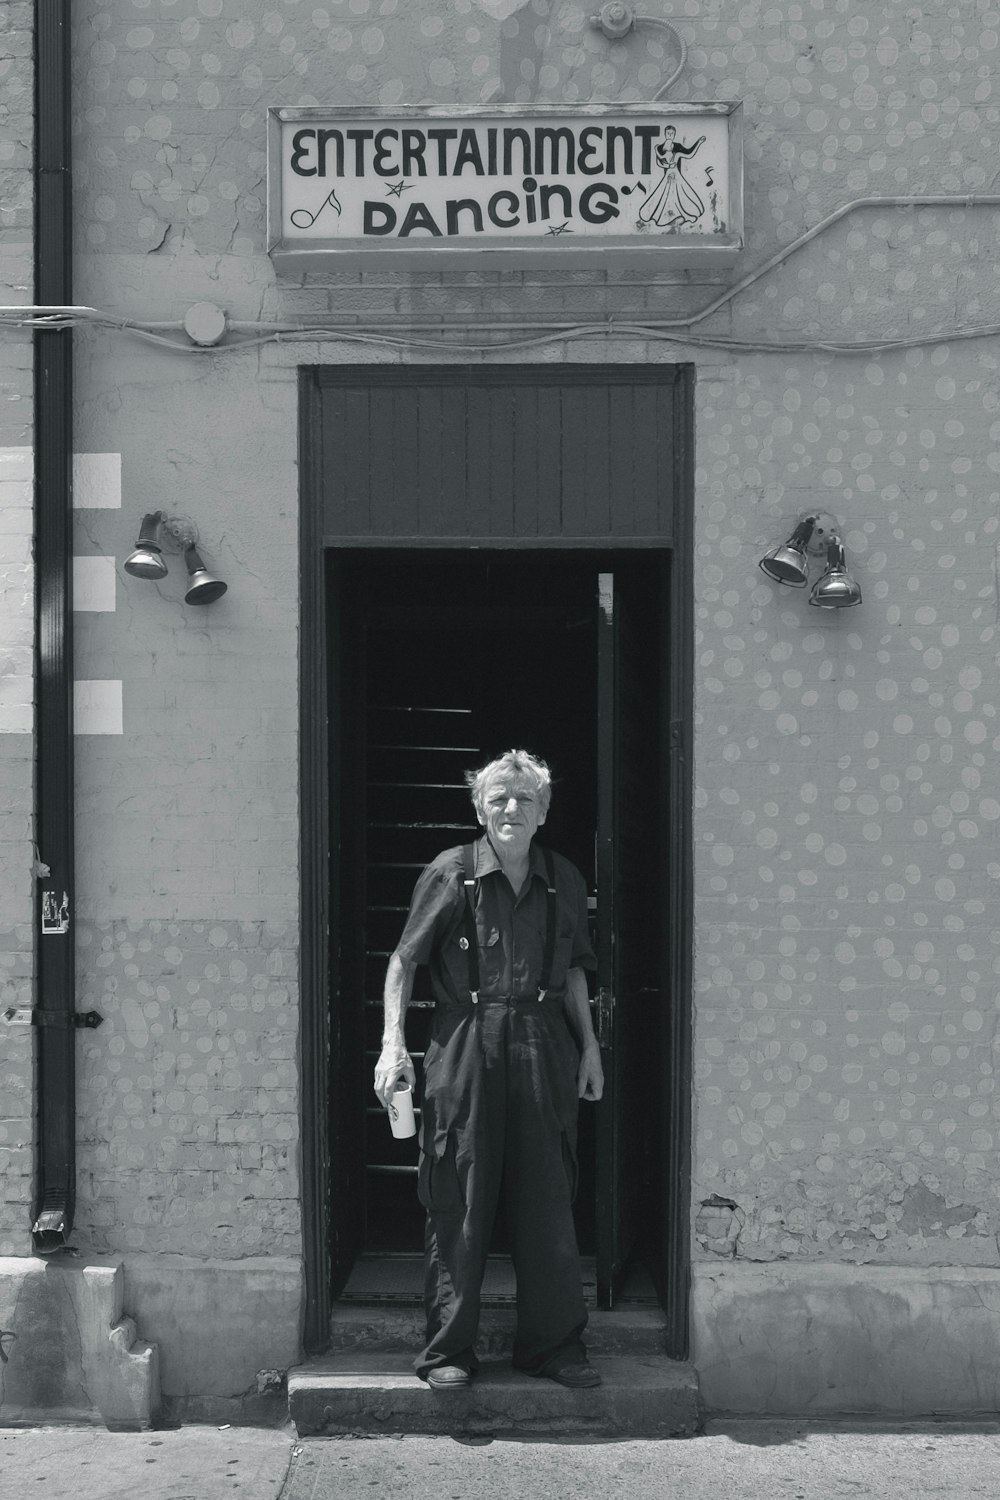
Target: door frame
point(319, 873)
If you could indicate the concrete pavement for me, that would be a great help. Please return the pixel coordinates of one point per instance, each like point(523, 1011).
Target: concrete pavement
point(184, 1463)
point(785, 1460)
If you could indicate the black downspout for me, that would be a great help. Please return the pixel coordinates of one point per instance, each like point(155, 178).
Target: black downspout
point(55, 998)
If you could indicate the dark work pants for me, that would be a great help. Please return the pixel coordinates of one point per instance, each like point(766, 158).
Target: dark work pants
point(501, 1092)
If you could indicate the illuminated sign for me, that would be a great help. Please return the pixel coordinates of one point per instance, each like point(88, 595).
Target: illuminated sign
point(506, 185)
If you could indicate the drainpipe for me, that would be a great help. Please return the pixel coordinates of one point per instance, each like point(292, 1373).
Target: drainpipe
point(54, 1010)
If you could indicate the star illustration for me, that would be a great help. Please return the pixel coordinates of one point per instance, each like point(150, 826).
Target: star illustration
point(397, 189)
point(560, 228)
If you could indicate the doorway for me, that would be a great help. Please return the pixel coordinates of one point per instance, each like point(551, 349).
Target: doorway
point(496, 556)
point(446, 660)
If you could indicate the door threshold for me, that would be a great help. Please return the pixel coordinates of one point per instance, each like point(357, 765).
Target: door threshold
point(399, 1280)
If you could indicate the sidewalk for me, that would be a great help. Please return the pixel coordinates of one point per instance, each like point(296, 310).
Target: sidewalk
point(771, 1460)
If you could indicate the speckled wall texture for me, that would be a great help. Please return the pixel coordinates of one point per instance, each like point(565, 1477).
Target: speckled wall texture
point(847, 812)
point(188, 1100)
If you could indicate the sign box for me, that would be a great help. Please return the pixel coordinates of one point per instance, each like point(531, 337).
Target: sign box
point(506, 185)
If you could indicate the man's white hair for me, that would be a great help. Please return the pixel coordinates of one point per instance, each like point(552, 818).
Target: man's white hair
point(512, 762)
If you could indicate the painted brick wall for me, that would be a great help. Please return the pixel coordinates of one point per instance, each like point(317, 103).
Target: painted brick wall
point(187, 808)
point(16, 629)
point(846, 811)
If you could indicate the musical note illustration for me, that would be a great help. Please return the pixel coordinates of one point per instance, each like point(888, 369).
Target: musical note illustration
point(303, 219)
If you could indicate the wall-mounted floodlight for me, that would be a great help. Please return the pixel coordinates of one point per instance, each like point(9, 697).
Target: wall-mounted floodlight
point(147, 559)
point(202, 587)
point(788, 562)
point(175, 534)
point(816, 535)
point(836, 589)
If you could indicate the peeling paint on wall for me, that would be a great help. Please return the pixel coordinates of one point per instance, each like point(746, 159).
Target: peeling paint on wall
point(718, 1225)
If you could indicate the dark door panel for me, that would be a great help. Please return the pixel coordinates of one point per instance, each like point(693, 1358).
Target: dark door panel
point(630, 925)
point(507, 454)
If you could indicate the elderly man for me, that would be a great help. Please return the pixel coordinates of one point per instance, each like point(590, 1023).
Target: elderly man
point(503, 926)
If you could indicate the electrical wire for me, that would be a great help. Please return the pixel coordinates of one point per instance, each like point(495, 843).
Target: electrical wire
point(407, 336)
point(682, 47)
point(414, 333)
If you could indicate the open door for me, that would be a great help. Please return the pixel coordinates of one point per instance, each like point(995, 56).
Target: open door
point(629, 924)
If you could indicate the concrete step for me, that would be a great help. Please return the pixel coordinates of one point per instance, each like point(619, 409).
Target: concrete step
point(380, 1327)
point(73, 1352)
point(365, 1393)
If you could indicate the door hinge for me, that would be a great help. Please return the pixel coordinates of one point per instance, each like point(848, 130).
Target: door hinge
point(675, 734)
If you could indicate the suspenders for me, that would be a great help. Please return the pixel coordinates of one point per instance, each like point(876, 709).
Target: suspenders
point(472, 937)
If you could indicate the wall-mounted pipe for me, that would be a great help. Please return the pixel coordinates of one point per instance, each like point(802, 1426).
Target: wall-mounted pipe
point(55, 996)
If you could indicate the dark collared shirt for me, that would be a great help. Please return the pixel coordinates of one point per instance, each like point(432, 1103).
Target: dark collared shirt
point(511, 929)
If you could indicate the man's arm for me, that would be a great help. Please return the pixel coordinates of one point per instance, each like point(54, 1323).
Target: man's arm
point(394, 1061)
point(590, 1075)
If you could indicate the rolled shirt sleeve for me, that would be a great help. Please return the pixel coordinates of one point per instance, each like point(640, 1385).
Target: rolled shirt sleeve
point(436, 898)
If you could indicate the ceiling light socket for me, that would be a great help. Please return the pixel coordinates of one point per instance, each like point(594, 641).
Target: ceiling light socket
point(615, 20)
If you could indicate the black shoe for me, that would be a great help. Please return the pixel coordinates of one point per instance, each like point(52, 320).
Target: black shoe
point(448, 1378)
point(576, 1377)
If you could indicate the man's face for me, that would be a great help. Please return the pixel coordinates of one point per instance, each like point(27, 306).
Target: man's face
point(511, 813)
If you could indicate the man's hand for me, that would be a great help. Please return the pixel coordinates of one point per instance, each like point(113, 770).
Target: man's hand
point(394, 1063)
point(590, 1075)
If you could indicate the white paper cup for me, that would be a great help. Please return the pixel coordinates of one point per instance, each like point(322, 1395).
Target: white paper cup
point(401, 1118)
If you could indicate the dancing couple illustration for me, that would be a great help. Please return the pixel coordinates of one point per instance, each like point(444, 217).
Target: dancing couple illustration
point(673, 202)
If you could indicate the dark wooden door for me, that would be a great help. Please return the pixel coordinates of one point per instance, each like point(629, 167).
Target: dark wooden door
point(629, 923)
point(343, 692)
point(501, 456)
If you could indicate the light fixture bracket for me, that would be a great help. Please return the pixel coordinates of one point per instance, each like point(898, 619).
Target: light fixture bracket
point(826, 525)
point(177, 534)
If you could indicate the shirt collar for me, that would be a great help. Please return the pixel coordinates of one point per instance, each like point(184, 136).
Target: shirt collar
point(487, 861)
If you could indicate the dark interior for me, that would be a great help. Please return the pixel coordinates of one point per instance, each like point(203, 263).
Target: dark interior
point(446, 659)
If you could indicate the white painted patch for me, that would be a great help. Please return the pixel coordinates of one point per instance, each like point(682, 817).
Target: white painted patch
point(17, 484)
point(16, 497)
point(97, 706)
point(97, 481)
point(16, 591)
point(94, 583)
point(16, 464)
point(16, 697)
